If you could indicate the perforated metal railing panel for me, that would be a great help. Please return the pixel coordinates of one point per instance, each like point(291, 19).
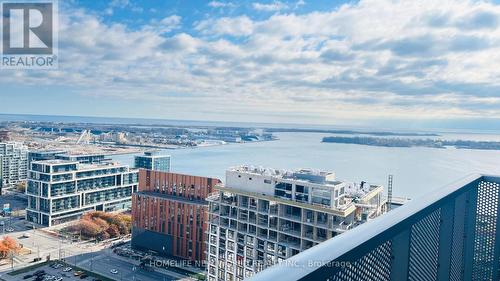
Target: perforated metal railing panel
point(453, 235)
point(486, 231)
point(423, 264)
point(374, 266)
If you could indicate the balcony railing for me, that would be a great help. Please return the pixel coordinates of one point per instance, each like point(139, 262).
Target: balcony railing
point(451, 234)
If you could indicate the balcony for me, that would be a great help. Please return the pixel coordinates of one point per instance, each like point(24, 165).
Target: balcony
point(451, 234)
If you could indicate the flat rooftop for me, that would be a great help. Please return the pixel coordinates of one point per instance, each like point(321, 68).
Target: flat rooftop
point(82, 166)
point(303, 174)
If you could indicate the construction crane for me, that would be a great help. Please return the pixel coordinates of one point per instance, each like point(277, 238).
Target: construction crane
point(389, 192)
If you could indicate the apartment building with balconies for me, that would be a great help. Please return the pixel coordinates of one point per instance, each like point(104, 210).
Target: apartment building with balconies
point(14, 162)
point(263, 216)
point(62, 190)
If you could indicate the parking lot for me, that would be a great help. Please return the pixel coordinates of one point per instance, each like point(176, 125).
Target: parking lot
point(54, 271)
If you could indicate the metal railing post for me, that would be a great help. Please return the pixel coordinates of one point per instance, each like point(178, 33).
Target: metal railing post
point(446, 240)
point(470, 227)
point(400, 256)
point(496, 254)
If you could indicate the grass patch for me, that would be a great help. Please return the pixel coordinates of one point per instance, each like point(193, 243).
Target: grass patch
point(28, 268)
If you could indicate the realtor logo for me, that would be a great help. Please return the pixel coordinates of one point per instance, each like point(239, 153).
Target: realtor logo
point(29, 39)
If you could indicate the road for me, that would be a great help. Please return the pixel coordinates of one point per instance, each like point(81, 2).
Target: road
point(93, 257)
point(104, 262)
point(90, 256)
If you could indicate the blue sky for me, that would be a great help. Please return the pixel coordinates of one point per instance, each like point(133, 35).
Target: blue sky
point(321, 62)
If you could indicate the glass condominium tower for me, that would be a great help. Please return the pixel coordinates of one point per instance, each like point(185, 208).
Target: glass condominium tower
point(60, 190)
point(153, 160)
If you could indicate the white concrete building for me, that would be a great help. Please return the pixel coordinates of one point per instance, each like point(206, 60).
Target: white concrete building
point(62, 190)
point(264, 216)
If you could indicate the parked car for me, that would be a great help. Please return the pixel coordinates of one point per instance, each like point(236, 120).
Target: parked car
point(67, 269)
point(114, 271)
point(39, 272)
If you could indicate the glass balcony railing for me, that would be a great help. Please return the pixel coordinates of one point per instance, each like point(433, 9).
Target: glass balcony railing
point(451, 234)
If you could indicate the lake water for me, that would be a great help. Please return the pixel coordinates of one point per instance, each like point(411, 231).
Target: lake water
point(416, 171)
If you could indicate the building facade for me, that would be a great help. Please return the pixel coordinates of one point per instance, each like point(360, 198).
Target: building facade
point(84, 158)
point(264, 216)
point(4, 136)
point(153, 160)
point(170, 214)
point(40, 155)
point(61, 190)
point(14, 164)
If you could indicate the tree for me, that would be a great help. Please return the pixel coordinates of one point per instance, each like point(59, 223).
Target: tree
point(8, 245)
point(103, 235)
point(103, 225)
point(89, 228)
point(113, 231)
point(21, 187)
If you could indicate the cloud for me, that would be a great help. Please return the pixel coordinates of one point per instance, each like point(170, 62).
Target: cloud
point(235, 26)
point(219, 4)
point(166, 24)
point(272, 7)
point(479, 19)
point(378, 58)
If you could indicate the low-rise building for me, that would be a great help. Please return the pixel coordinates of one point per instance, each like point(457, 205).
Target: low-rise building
point(170, 214)
point(264, 216)
point(62, 190)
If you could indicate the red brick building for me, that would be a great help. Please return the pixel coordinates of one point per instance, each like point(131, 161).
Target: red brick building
point(170, 212)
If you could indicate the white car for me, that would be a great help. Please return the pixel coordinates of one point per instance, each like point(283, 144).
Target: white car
point(114, 271)
point(9, 229)
point(67, 269)
point(26, 235)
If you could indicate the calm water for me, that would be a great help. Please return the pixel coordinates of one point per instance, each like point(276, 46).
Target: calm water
point(416, 171)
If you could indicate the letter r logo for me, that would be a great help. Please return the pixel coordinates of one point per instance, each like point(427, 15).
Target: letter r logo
point(27, 28)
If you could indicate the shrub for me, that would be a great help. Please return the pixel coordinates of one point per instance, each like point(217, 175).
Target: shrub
point(113, 231)
point(89, 228)
point(101, 225)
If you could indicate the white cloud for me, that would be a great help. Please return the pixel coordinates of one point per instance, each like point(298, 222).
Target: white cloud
point(236, 26)
point(271, 7)
point(219, 4)
point(378, 58)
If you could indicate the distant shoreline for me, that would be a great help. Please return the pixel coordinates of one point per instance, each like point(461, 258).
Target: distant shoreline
point(350, 132)
point(405, 142)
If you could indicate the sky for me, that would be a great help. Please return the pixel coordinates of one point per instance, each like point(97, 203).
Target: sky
point(367, 62)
